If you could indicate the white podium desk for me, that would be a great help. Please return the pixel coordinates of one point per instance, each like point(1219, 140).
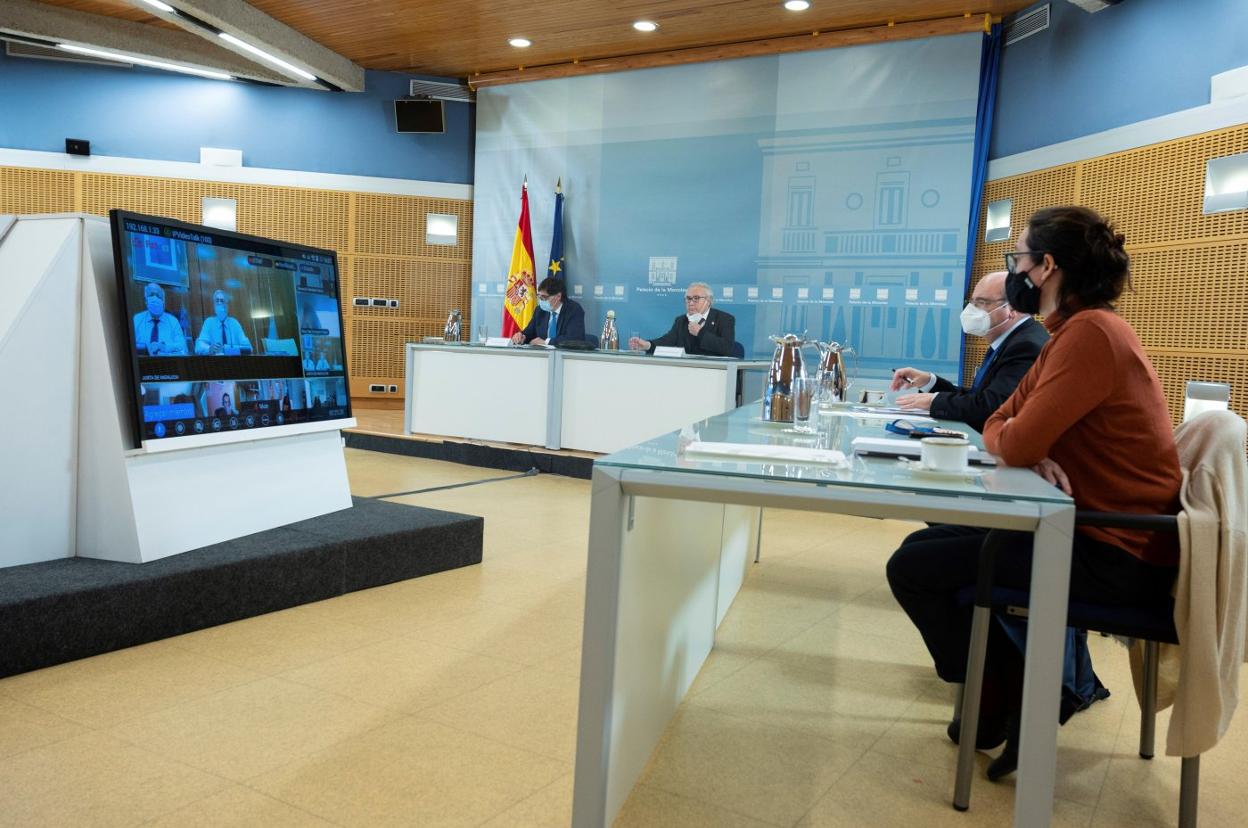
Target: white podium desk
point(599, 401)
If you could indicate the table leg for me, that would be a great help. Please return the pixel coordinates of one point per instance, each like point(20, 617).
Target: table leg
point(1042, 678)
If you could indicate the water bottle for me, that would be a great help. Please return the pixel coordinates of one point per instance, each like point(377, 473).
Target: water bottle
point(610, 340)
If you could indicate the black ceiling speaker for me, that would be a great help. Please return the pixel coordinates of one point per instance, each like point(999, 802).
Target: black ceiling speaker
point(77, 146)
point(419, 116)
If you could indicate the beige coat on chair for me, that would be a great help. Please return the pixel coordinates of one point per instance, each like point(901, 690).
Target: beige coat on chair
point(1201, 677)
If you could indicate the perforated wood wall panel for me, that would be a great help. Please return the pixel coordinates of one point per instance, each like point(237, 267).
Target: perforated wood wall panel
point(24, 191)
point(1154, 194)
point(427, 280)
point(1190, 305)
point(395, 225)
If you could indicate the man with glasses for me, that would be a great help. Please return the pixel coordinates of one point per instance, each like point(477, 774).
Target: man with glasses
point(700, 330)
point(1014, 340)
point(556, 318)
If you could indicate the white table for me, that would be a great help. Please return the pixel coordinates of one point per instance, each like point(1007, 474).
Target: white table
point(656, 593)
point(597, 401)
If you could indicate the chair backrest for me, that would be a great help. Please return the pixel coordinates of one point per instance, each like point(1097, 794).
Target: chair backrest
point(592, 339)
point(738, 350)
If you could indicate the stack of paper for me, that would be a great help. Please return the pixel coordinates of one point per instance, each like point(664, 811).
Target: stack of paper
point(788, 454)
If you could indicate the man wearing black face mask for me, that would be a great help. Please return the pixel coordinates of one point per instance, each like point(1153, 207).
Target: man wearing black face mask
point(1014, 341)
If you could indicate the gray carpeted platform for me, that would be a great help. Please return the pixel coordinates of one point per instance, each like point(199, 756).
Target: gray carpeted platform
point(63, 610)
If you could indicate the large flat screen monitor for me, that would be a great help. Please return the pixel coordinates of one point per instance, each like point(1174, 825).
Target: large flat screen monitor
point(227, 333)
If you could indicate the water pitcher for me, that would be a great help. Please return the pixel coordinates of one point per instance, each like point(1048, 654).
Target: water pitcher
point(834, 374)
point(786, 365)
point(451, 332)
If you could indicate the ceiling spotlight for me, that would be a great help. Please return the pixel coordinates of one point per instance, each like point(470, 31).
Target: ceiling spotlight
point(158, 5)
point(121, 57)
point(797, 5)
point(520, 42)
point(645, 25)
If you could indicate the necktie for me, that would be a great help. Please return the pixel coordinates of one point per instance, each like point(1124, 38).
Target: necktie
point(221, 322)
point(155, 337)
point(983, 369)
point(550, 333)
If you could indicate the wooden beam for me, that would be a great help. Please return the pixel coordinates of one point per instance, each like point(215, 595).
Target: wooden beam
point(729, 51)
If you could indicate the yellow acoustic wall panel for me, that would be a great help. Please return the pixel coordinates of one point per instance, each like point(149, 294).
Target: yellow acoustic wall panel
point(24, 191)
point(1190, 301)
point(380, 241)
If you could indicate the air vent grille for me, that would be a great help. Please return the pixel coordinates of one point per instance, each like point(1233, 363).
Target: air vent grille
point(1026, 25)
point(440, 91)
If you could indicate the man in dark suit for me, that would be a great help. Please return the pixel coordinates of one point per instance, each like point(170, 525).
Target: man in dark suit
point(1014, 340)
point(701, 329)
point(557, 317)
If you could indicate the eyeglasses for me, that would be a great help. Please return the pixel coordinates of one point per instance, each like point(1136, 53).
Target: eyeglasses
point(692, 299)
point(543, 296)
point(988, 304)
point(1011, 259)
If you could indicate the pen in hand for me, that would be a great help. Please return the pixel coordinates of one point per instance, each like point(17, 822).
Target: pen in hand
point(906, 380)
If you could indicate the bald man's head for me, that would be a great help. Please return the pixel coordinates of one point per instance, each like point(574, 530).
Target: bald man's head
point(989, 297)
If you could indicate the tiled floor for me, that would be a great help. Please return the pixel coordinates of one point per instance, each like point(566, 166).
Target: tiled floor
point(451, 700)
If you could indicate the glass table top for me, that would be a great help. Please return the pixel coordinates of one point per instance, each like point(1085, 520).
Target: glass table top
point(836, 428)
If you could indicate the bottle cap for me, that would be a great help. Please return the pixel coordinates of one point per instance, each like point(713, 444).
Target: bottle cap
point(610, 314)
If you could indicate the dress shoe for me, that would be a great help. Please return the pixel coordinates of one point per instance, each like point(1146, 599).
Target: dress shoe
point(1007, 762)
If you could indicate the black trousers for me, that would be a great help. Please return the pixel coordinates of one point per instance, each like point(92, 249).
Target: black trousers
point(933, 564)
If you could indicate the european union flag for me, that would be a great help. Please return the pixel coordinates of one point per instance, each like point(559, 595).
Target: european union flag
point(557, 267)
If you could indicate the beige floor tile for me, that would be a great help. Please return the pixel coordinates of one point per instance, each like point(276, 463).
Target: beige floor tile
point(878, 613)
point(854, 707)
point(278, 641)
point(375, 473)
point(412, 772)
point(722, 662)
point(23, 726)
point(551, 807)
point(834, 649)
point(649, 807)
point(247, 730)
point(837, 583)
point(567, 663)
point(367, 616)
point(888, 791)
point(505, 632)
point(111, 688)
point(533, 709)
point(95, 779)
point(241, 807)
point(402, 674)
point(768, 773)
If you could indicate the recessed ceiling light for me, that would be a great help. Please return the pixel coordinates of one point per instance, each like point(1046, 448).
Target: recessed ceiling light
point(797, 5)
point(156, 4)
point(645, 25)
point(520, 42)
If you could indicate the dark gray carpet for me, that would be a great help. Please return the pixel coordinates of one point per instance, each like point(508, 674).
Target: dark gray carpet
point(470, 454)
point(63, 610)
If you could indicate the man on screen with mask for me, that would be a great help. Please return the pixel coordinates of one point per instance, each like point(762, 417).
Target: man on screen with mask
point(1014, 342)
point(221, 333)
point(701, 329)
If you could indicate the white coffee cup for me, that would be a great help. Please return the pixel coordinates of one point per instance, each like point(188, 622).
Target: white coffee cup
point(945, 454)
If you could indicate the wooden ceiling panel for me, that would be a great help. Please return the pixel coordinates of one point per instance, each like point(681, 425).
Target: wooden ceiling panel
point(459, 38)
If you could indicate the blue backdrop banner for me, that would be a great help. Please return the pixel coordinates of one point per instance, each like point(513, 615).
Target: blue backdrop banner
point(825, 192)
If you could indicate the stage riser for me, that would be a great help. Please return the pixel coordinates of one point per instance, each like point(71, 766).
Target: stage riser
point(471, 454)
point(63, 610)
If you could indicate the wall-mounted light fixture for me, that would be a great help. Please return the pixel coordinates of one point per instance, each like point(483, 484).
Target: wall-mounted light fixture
point(1226, 183)
point(997, 222)
point(441, 228)
point(221, 213)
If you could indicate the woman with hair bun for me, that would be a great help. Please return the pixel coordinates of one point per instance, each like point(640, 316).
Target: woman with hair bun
point(1091, 419)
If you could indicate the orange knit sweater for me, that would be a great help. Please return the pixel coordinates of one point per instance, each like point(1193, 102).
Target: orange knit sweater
point(1093, 404)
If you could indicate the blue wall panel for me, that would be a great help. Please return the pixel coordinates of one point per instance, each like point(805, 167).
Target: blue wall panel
point(164, 116)
point(1092, 72)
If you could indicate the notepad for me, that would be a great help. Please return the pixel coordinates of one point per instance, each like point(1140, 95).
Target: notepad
point(908, 448)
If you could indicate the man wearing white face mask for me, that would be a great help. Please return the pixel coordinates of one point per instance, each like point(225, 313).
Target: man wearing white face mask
point(557, 318)
point(1014, 342)
point(701, 329)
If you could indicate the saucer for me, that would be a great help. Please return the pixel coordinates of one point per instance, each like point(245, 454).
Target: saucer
point(916, 468)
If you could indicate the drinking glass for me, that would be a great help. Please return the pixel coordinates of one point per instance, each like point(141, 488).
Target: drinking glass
point(633, 335)
point(483, 332)
point(804, 389)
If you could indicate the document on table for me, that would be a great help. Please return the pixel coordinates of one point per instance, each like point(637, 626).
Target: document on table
point(751, 451)
point(889, 414)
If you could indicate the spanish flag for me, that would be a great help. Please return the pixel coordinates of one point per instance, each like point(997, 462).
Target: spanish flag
point(520, 301)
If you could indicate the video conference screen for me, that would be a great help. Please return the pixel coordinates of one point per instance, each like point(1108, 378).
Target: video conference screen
point(227, 332)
